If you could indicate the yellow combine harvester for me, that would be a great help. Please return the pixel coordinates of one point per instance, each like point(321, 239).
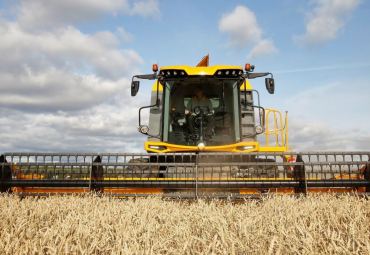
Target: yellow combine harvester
point(203, 131)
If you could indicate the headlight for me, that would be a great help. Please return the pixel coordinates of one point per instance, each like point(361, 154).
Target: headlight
point(171, 73)
point(159, 148)
point(201, 146)
point(245, 148)
point(228, 73)
point(259, 129)
point(143, 129)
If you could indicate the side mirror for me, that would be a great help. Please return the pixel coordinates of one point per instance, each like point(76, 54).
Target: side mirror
point(134, 88)
point(270, 85)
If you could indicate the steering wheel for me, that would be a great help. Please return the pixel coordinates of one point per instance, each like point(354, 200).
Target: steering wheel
point(200, 107)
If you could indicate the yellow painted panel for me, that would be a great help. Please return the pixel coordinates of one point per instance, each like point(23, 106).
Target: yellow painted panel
point(49, 190)
point(183, 148)
point(247, 84)
point(201, 70)
point(223, 148)
point(272, 149)
point(160, 87)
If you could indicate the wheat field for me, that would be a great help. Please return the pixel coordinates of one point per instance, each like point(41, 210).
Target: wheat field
point(317, 224)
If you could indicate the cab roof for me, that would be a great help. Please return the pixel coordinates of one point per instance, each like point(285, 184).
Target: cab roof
point(201, 70)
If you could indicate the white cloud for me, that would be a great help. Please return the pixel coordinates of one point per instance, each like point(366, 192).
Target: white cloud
point(125, 36)
point(65, 48)
point(41, 14)
point(54, 90)
point(307, 133)
point(263, 48)
point(147, 8)
point(317, 136)
point(320, 117)
point(242, 27)
point(103, 128)
point(65, 90)
point(325, 21)
point(61, 70)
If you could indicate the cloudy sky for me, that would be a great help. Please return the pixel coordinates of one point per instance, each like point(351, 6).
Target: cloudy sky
point(66, 66)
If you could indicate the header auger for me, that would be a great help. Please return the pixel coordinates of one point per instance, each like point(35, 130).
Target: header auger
point(203, 131)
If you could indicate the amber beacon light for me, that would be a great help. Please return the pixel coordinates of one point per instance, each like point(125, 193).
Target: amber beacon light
point(155, 68)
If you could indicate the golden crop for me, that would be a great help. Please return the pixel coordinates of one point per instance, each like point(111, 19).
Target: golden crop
point(318, 224)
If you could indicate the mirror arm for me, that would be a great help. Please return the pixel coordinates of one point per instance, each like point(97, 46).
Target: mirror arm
point(146, 76)
point(248, 75)
point(255, 75)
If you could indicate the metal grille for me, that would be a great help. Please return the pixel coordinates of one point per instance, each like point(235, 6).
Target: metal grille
point(190, 173)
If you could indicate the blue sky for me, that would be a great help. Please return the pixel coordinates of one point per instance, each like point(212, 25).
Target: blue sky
point(66, 66)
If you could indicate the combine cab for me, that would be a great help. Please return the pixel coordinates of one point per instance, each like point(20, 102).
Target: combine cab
point(212, 150)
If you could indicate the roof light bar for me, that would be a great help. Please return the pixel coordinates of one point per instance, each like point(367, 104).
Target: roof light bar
point(173, 73)
point(228, 73)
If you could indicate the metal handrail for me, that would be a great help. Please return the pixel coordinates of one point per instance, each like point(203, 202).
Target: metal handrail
point(276, 130)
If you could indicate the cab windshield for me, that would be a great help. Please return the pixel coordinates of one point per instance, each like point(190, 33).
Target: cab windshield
point(221, 95)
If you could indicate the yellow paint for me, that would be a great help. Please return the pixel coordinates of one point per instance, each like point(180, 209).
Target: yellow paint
point(154, 191)
point(50, 190)
point(183, 148)
point(221, 148)
point(271, 149)
point(276, 130)
point(30, 176)
point(247, 84)
point(201, 70)
point(160, 87)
